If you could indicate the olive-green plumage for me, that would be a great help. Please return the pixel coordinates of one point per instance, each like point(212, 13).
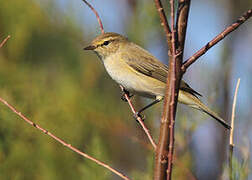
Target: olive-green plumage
point(141, 73)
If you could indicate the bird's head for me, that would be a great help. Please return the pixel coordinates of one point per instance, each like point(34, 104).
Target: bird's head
point(107, 44)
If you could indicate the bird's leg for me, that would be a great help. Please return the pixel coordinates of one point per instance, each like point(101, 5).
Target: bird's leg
point(138, 113)
point(123, 95)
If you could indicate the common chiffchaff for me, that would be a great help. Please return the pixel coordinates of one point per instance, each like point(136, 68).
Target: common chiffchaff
point(141, 73)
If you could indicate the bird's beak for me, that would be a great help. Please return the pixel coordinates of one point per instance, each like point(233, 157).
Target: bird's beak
point(91, 47)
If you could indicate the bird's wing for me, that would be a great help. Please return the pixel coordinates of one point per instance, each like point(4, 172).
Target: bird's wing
point(142, 61)
point(184, 86)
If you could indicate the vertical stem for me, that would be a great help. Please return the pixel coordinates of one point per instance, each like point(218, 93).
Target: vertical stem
point(165, 148)
point(231, 137)
point(173, 97)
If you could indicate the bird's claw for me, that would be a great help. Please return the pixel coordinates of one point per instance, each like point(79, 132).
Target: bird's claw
point(123, 98)
point(123, 95)
point(138, 115)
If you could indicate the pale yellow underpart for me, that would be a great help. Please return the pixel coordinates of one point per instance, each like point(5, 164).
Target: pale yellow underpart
point(138, 83)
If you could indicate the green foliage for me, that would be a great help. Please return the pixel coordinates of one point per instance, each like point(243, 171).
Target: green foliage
point(47, 76)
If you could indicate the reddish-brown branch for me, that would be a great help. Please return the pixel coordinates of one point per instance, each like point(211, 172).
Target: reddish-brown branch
point(214, 41)
point(139, 119)
point(172, 104)
point(165, 148)
point(181, 23)
point(164, 22)
point(96, 14)
point(4, 41)
point(63, 142)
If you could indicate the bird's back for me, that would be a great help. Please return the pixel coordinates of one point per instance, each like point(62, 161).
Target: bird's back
point(142, 61)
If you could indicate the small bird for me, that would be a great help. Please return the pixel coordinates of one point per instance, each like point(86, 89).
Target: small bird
point(141, 73)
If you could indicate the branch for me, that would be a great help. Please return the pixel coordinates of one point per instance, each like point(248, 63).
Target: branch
point(165, 148)
point(139, 119)
point(164, 22)
point(4, 41)
point(231, 137)
point(214, 41)
point(63, 142)
point(181, 24)
point(173, 102)
point(96, 14)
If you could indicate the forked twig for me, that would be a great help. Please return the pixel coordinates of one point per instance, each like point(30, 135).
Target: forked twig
point(165, 148)
point(215, 40)
point(63, 142)
point(4, 41)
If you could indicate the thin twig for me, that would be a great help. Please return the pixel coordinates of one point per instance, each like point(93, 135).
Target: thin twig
point(4, 41)
point(96, 14)
point(215, 40)
point(164, 22)
point(63, 142)
point(231, 137)
point(139, 119)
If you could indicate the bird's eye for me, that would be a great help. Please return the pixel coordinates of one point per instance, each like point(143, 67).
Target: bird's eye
point(106, 43)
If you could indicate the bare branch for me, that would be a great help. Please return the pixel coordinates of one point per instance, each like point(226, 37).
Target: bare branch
point(214, 41)
point(165, 148)
point(181, 24)
point(96, 14)
point(139, 119)
point(173, 104)
point(164, 22)
point(63, 142)
point(4, 41)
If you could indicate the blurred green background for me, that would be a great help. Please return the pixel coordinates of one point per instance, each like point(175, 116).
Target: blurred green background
point(47, 76)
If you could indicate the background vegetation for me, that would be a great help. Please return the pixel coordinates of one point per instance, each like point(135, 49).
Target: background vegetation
point(47, 76)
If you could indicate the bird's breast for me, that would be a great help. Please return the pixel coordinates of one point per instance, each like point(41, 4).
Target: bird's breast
point(132, 80)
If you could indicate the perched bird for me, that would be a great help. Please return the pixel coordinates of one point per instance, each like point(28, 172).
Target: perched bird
point(141, 73)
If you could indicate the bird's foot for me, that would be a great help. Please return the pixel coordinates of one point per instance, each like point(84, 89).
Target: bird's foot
point(138, 115)
point(123, 95)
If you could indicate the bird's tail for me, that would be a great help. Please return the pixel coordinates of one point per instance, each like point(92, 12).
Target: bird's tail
point(197, 104)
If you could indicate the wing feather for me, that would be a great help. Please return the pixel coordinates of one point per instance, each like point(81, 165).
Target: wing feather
point(142, 61)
